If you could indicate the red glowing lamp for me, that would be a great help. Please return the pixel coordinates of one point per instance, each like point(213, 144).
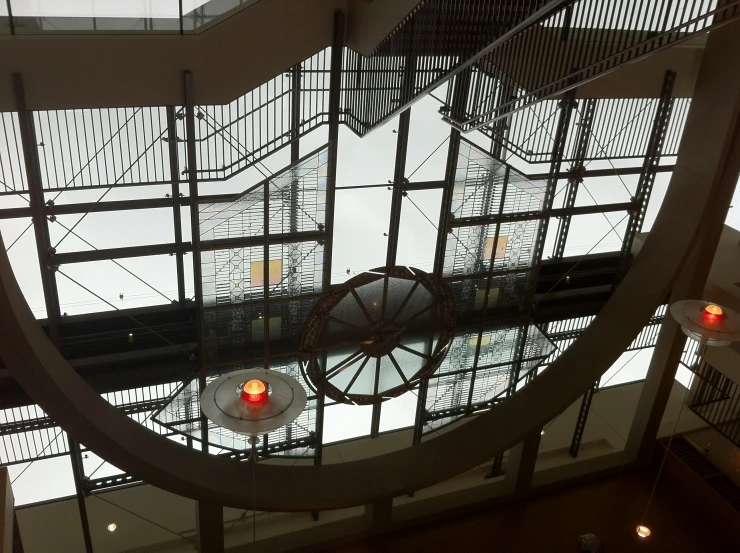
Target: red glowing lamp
point(254, 391)
point(713, 312)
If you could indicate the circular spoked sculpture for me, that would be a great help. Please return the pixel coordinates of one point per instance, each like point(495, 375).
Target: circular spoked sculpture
point(375, 336)
point(254, 401)
point(707, 323)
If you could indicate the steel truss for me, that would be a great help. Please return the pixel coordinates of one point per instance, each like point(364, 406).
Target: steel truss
point(652, 160)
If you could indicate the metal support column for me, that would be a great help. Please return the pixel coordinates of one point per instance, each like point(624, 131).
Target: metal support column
point(192, 162)
point(497, 468)
point(295, 113)
point(172, 142)
point(567, 105)
point(36, 197)
point(399, 177)
point(379, 514)
point(421, 401)
point(335, 83)
point(457, 109)
point(575, 174)
point(652, 158)
point(209, 516)
point(399, 173)
point(295, 147)
point(77, 473)
point(7, 513)
point(209, 526)
point(420, 411)
point(521, 462)
point(575, 443)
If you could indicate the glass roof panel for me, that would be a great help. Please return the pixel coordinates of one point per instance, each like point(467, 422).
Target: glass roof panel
point(361, 219)
point(426, 157)
point(417, 235)
point(596, 233)
point(344, 422)
point(399, 412)
point(42, 480)
point(367, 160)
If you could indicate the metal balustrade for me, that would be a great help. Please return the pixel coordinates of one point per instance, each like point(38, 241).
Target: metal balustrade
point(716, 399)
point(577, 42)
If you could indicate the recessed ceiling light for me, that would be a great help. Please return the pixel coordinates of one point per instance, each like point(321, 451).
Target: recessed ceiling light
point(112, 527)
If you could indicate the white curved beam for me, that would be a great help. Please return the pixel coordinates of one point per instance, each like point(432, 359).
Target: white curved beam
point(711, 160)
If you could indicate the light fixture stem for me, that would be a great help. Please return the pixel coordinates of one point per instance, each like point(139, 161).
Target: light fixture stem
point(253, 441)
point(665, 455)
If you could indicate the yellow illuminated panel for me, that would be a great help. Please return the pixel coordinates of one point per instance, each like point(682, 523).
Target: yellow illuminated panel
point(485, 341)
point(500, 247)
point(257, 277)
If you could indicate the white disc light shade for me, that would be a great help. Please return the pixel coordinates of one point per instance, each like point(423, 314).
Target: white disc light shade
point(706, 322)
point(223, 403)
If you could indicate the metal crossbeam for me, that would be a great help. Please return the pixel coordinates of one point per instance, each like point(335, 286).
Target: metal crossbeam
point(174, 248)
point(176, 214)
point(78, 472)
point(557, 212)
point(593, 173)
point(192, 172)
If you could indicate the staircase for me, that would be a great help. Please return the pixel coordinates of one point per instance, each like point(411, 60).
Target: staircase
point(516, 54)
